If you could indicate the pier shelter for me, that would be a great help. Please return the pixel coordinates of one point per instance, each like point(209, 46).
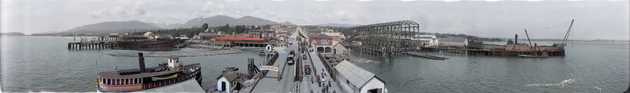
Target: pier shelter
point(354, 79)
point(228, 82)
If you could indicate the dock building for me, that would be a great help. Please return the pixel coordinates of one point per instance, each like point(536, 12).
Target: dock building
point(354, 79)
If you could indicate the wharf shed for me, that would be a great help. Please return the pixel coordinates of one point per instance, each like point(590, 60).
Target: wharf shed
point(354, 79)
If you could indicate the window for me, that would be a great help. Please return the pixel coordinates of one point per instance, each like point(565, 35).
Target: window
point(376, 90)
point(222, 86)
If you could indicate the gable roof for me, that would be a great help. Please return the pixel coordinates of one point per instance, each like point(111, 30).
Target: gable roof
point(355, 74)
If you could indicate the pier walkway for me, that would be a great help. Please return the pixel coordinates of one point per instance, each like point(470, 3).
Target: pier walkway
point(188, 86)
point(293, 78)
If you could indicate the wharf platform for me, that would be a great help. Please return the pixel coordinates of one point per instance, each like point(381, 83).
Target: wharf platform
point(428, 56)
point(188, 86)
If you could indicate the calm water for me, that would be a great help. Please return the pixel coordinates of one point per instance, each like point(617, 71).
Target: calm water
point(44, 64)
point(593, 66)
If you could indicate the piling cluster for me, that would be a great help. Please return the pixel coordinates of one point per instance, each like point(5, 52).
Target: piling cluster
point(90, 45)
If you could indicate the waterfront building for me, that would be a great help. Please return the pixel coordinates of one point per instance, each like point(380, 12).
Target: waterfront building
point(425, 40)
point(228, 82)
point(244, 40)
point(207, 35)
point(354, 79)
point(324, 42)
point(453, 42)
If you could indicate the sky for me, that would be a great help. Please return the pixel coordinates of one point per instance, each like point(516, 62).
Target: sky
point(595, 19)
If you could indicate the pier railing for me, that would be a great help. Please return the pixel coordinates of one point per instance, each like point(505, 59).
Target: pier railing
point(90, 45)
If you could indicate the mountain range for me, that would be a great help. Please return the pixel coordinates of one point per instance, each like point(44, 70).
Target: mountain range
point(221, 20)
point(115, 26)
point(138, 26)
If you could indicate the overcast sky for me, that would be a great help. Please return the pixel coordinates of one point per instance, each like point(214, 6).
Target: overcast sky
point(595, 19)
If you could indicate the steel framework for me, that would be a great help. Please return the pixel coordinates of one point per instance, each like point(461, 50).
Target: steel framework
point(385, 39)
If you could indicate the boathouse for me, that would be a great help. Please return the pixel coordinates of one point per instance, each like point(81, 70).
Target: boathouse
point(354, 79)
point(228, 82)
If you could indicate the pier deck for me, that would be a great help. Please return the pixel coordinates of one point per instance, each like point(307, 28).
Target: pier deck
point(190, 86)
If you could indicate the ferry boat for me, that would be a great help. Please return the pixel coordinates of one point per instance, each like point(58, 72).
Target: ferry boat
point(130, 80)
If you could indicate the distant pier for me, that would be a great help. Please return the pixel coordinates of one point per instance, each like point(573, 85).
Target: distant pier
point(90, 45)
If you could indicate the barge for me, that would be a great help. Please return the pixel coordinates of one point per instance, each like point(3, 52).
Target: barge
point(131, 80)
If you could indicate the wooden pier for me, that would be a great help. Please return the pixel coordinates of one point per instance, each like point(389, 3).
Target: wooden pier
point(90, 45)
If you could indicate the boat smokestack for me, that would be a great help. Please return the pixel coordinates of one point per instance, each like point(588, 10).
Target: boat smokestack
point(141, 61)
point(515, 38)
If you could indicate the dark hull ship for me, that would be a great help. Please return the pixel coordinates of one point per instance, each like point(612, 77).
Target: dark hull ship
point(150, 45)
point(165, 74)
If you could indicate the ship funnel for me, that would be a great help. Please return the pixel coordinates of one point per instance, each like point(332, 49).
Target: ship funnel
point(516, 39)
point(141, 61)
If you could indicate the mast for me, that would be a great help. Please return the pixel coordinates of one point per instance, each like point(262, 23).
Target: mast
point(566, 35)
point(526, 34)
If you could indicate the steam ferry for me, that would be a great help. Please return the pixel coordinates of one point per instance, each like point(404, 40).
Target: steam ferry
point(130, 80)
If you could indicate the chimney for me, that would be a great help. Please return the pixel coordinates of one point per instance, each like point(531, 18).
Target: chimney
point(516, 39)
point(141, 61)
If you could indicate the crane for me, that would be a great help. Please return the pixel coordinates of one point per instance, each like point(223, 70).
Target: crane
point(566, 35)
point(530, 41)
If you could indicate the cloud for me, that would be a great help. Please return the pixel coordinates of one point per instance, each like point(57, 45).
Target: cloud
point(133, 10)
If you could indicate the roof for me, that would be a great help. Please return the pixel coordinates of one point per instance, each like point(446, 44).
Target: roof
point(136, 73)
point(231, 76)
point(240, 37)
point(355, 74)
point(117, 74)
point(188, 86)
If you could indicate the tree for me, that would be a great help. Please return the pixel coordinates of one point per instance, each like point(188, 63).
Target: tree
point(204, 26)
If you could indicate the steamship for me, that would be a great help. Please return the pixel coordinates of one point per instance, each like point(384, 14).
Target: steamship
point(130, 80)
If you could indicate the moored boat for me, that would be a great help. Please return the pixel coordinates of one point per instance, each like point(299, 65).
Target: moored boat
point(165, 74)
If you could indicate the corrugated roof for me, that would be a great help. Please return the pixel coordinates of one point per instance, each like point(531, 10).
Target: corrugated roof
point(355, 74)
point(188, 86)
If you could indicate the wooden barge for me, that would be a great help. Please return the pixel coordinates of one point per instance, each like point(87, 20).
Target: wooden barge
point(518, 50)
